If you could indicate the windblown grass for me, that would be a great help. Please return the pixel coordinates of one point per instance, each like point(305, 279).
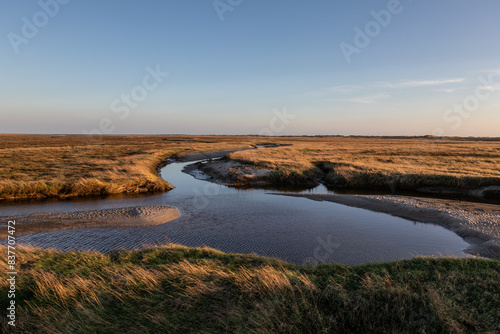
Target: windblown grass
point(382, 163)
point(42, 166)
point(175, 289)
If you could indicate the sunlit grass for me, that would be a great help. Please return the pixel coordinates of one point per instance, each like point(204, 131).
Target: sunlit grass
point(175, 289)
point(36, 166)
point(382, 163)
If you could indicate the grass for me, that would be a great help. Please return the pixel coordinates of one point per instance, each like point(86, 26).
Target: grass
point(44, 166)
point(382, 163)
point(175, 289)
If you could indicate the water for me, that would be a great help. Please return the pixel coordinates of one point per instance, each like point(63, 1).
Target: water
point(252, 221)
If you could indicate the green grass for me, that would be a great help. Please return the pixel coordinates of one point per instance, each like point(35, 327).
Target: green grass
point(175, 289)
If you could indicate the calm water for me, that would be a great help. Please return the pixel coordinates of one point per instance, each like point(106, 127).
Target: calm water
point(252, 221)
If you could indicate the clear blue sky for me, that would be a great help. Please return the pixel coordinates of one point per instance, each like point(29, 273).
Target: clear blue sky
point(420, 72)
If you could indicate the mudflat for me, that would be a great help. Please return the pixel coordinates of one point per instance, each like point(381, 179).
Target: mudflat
point(131, 216)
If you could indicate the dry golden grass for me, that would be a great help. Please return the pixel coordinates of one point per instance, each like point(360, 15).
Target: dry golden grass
point(40, 166)
point(175, 289)
point(372, 162)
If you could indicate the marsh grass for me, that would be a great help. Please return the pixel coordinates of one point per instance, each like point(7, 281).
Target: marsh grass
point(43, 166)
point(175, 289)
point(382, 163)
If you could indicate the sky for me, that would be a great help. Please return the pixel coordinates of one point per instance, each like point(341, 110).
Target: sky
point(282, 67)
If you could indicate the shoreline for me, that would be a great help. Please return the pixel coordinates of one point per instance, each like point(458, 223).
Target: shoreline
point(121, 217)
point(195, 156)
point(241, 174)
point(188, 157)
point(477, 223)
point(220, 153)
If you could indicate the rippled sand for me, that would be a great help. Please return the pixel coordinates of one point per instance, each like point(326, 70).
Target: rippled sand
point(132, 216)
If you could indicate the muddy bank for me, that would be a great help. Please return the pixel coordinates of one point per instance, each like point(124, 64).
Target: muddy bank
point(217, 168)
point(477, 223)
point(238, 174)
point(198, 156)
point(210, 155)
point(244, 175)
point(230, 173)
point(132, 216)
point(217, 154)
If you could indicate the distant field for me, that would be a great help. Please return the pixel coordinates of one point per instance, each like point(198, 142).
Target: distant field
point(382, 163)
point(41, 166)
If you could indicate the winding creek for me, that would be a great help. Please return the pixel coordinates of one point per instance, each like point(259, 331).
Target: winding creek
point(250, 221)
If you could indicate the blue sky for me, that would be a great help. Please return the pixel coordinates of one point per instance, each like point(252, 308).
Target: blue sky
point(430, 67)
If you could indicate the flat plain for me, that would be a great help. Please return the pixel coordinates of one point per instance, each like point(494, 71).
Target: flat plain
point(43, 166)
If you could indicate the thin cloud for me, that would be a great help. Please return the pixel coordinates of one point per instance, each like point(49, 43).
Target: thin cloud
point(366, 99)
point(451, 90)
point(350, 89)
point(361, 93)
point(423, 83)
point(345, 89)
point(491, 88)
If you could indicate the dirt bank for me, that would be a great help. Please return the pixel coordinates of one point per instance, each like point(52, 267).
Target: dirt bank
point(218, 154)
point(133, 216)
point(249, 172)
point(232, 173)
point(477, 223)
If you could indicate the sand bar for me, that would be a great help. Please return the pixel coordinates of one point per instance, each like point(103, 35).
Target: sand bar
point(132, 216)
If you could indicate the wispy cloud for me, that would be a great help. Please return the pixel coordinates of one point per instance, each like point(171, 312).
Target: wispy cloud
point(345, 89)
point(451, 90)
point(349, 89)
point(491, 88)
point(366, 99)
point(374, 92)
point(423, 83)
